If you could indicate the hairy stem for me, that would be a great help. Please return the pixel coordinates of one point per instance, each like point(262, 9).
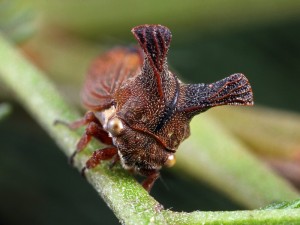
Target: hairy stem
point(284, 216)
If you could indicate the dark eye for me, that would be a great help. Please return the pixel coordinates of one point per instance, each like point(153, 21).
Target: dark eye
point(115, 126)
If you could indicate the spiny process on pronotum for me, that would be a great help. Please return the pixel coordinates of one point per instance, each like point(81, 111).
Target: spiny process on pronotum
point(141, 110)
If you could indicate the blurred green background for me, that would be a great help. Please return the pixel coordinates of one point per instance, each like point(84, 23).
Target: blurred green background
point(211, 40)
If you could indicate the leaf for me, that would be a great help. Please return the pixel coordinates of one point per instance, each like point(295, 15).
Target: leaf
point(284, 205)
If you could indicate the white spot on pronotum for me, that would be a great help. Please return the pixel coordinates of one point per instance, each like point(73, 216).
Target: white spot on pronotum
point(105, 115)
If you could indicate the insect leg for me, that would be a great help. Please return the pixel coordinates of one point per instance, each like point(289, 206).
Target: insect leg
point(152, 176)
point(115, 159)
point(88, 117)
point(93, 129)
point(98, 156)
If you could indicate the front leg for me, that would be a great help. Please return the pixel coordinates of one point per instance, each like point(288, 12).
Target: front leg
point(98, 156)
point(152, 176)
point(88, 117)
point(94, 129)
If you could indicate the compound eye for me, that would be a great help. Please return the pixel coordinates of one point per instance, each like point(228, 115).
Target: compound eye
point(115, 126)
point(170, 161)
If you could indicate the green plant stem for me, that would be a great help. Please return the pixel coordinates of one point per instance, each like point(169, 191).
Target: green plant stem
point(271, 133)
point(284, 205)
point(130, 203)
point(265, 217)
point(213, 155)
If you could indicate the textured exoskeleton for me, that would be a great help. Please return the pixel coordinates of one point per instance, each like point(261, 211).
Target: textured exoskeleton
point(141, 110)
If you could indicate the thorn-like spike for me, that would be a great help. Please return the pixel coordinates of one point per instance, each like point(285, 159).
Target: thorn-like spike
point(232, 90)
point(155, 41)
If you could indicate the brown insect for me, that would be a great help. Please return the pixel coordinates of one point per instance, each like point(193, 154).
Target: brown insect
point(141, 110)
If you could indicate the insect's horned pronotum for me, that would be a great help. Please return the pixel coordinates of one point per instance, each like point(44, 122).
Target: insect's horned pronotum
point(141, 110)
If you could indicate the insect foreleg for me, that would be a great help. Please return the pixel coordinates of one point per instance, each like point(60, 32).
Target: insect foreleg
point(93, 129)
point(98, 156)
point(88, 117)
point(152, 176)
